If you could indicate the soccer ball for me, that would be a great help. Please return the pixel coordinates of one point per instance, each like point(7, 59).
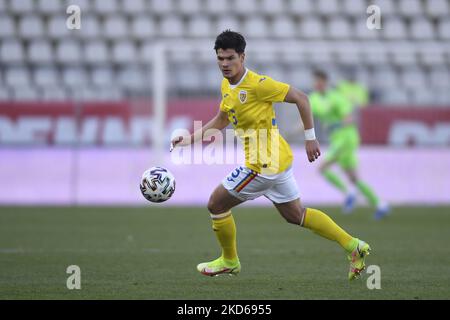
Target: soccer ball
point(157, 184)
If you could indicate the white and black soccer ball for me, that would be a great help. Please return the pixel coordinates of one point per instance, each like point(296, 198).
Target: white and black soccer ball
point(157, 184)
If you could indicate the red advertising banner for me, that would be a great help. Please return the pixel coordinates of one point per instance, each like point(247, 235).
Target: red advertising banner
point(405, 126)
point(115, 123)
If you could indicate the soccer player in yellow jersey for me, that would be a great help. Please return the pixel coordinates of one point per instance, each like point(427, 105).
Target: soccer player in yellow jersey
point(247, 99)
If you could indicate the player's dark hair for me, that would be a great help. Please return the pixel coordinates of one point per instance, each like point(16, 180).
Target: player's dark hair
point(230, 40)
point(321, 75)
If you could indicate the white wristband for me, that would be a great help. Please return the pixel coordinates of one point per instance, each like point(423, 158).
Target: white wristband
point(310, 134)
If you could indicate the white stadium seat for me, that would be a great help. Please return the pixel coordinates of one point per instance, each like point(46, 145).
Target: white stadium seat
point(68, 52)
point(384, 78)
point(255, 27)
point(410, 8)
point(327, 7)
point(362, 32)
point(247, 7)
point(413, 78)
point(46, 77)
point(270, 7)
point(394, 29)
point(228, 22)
point(356, 8)
point(300, 7)
point(85, 5)
point(431, 55)
point(143, 27)
point(422, 29)
point(40, 52)
point(387, 7)
point(311, 28)
point(199, 26)
point(55, 93)
point(17, 77)
point(216, 7)
point(21, 6)
point(115, 27)
point(103, 77)
point(396, 97)
point(284, 27)
point(134, 7)
point(96, 52)
point(31, 27)
point(171, 26)
point(339, 28)
point(133, 78)
point(90, 27)
point(439, 77)
point(161, 6)
point(189, 7)
point(11, 51)
point(444, 29)
point(74, 77)
point(124, 52)
point(437, 8)
point(56, 27)
point(7, 28)
point(50, 6)
point(108, 7)
point(25, 93)
point(4, 94)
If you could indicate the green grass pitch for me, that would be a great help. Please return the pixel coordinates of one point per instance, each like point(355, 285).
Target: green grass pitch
point(152, 252)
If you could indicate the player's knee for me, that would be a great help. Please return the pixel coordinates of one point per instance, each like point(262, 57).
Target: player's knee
point(214, 207)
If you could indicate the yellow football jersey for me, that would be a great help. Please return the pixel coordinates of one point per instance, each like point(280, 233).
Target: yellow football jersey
point(249, 105)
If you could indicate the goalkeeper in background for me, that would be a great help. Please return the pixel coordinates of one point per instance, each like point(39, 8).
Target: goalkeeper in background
point(335, 112)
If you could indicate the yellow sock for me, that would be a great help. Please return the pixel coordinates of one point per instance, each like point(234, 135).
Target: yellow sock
point(324, 226)
point(225, 229)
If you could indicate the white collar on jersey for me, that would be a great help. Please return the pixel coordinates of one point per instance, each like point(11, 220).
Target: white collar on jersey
point(232, 86)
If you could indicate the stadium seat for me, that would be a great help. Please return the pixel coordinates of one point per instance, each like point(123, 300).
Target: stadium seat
point(437, 8)
point(248, 8)
point(56, 27)
point(161, 7)
point(74, 77)
point(300, 7)
point(442, 97)
point(134, 7)
point(171, 26)
point(410, 8)
point(31, 27)
point(213, 78)
point(431, 54)
point(199, 26)
point(227, 22)
point(216, 7)
point(362, 32)
point(55, 93)
point(384, 78)
point(440, 78)
point(423, 97)
point(96, 52)
point(25, 94)
point(394, 29)
point(387, 7)
point(12, 52)
point(68, 52)
point(300, 77)
point(115, 27)
point(85, 5)
point(311, 28)
point(189, 7)
point(402, 53)
point(40, 52)
point(4, 94)
point(90, 27)
point(327, 7)
point(255, 27)
point(133, 78)
point(124, 52)
point(444, 29)
point(270, 7)
point(283, 27)
point(355, 8)
point(187, 78)
point(413, 78)
point(338, 28)
point(48, 7)
point(7, 27)
point(46, 77)
point(103, 77)
point(103, 7)
point(21, 6)
point(396, 97)
point(319, 53)
point(142, 27)
point(17, 77)
point(146, 52)
point(348, 53)
point(421, 29)
point(3, 5)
